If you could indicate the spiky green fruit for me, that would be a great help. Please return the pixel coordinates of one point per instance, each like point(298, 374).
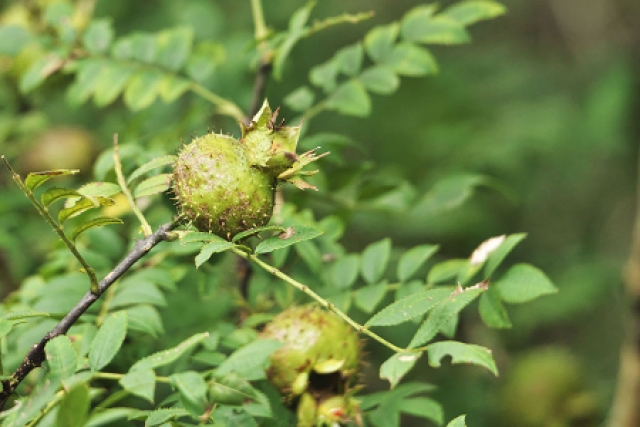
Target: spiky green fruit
point(317, 366)
point(225, 185)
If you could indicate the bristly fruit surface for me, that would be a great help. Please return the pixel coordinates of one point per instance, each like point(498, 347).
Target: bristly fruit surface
point(318, 365)
point(225, 185)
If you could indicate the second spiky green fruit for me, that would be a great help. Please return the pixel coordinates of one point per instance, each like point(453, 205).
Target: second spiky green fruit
point(225, 185)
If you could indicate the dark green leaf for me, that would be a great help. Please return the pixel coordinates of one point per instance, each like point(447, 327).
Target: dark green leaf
point(461, 353)
point(98, 35)
point(166, 357)
point(74, 407)
point(140, 382)
point(300, 99)
point(492, 311)
point(154, 185)
point(142, 89)
point(408, 59)
point(62, 357)
point(108, 340)
point(256, 230)
point(211, 248)
point(443, 313)
point(300, 233)
point(380, 80)
point(145, 318)
point(497, 256)
point(471, 11)
point(421, 26)
point(150, 165)
point(113, 79)
point(296, 26)
point(198, 236)
point(410, 307)
point(192, 389)
point(174, 47)
point(36, 179)
point(349, 59)
point(413, 259)
point(368, 297)
point(96, 222)
point(523, 283)
point(139, 292)
point(13, 38)
point(108, 416)
point(449, 193)
point(374, 260)
point(380, 40)
point(162, 415)
point(56, 193)
point(39, 70)
point(231, 389)
point(251, 360)
point(350, 99)
point(344, 271)
point(423, 407)
point(397, 366)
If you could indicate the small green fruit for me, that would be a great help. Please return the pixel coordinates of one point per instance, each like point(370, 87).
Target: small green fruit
point(226, 186)
point(317, 366)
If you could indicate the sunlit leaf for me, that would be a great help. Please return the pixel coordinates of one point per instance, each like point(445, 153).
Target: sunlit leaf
point(413, 259)
point(168, 356)
point(36, 179)
point(56, 193)
point(397, 366)
point(251, 360)
point(380, 80)
point(380, 40)
point(96, 222)
point(368, 297)
point(410, 307)
point(471, 11)
point(461, 353)
point(162, 415)
point(442, 313)
point(154, 185)
point(192, 389)
point(522, 283)
point(213, 247)
point(298, 234)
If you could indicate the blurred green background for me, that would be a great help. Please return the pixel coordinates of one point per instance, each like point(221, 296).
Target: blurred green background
point(544, 102)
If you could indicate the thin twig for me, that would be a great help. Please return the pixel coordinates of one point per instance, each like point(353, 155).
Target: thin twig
point(146, 228)
point(36, 355)
point(44, 212)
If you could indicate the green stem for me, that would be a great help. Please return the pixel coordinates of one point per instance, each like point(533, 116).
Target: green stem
point(328, 305)
point(52, 404)
point(118, 377)
point(224, 105)
point(146, 228)
point(259, 23)
point(44, 212)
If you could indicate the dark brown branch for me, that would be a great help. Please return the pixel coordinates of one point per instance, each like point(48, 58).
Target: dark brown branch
point(36, 355)
point(259, 86)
